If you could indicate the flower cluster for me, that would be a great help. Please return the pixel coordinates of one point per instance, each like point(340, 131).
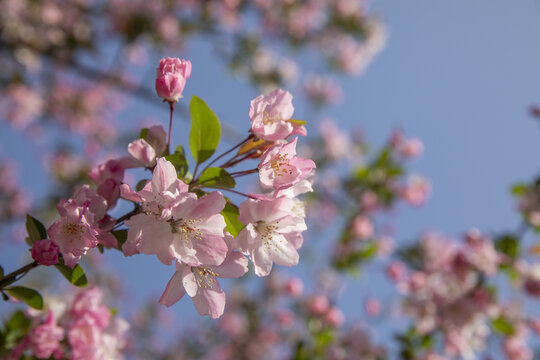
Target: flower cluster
point(76, 326)
point(177, 217)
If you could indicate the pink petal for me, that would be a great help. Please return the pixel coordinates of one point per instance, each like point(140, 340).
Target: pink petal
point(235, 265)
point(210, 301)
point(164, 176)
point(174, 290)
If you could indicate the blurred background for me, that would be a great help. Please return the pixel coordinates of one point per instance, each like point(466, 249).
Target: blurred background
point(459, 75)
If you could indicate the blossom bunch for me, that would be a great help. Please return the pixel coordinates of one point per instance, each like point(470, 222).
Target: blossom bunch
point(183, 216)
point(76, 326)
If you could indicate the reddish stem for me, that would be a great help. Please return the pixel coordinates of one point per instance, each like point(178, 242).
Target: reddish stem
point(171, 107)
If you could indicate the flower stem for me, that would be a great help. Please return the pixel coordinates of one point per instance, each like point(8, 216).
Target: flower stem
point(244, 172)
point(171, 107)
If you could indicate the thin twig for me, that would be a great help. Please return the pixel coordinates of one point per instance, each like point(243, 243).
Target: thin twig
point(22, 270)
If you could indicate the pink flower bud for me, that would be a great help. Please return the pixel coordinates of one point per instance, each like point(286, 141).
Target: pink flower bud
point(373, 307)
point(45, 252)
point(334, 317)
point(172, 74)
point(362, 227)
point(318, 305)
point(411, 148)
point(534, 324)
point(285, 317)
point(396, 271)
point(294, 287)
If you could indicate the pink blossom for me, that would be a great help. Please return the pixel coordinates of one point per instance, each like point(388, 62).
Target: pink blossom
point(318, 305)
point(369, 201)
point(481, 252)
point(416, 191)
point(233, 324)
point(73, 234)
point(89, 302)
point(272, 233)
point(96, 214)
point(45, 339)
point(516, 345)
point(285, 317)
point(271, 114)
point(337, 144)
point(411, 148)
point(373, 307)
point(200, 282)
point(334, 317)
point(294, 287)
point(322, 90)
point(84, 336)
point(108, 177)
point(280, 168)
point(396, 271)
point(159, 195)
point(153, 145)
point(362, 227)
point(193, 233)
point(45, 252)
point(171, 77)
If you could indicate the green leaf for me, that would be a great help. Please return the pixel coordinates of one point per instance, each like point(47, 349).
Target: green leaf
point(121, 237)
point(503, 326)
point(178, 159)
point(508, 245)
point(18, 321)
point(143, 133)
point(75, 276)
point(36, 230)
point(205, 130)
point(215, 176)
point(140, 185)
point(519, 189)
point(30, 296)
point(230, 213)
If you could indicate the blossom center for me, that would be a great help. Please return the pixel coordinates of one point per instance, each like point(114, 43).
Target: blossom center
point(186, 228)
point(281, 165)
point(266, 233)
point(73, 230)
point(270, 119)
point(205, 277)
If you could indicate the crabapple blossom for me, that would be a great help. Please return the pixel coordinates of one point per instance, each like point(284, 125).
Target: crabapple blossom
point(280, 168)
point(200, 283)
point(44, 339)
point(171, 77)
point(410, 148)
point(109, 176)
point(334, 317)
point(373, 307)
point(362, 227)
point(271, 114)
point(192, 231)
point(272, 233)
point(45, 252)
point(318, 305)
point(159, 195)
point(416, 191)
point(294, 287)
point(96, 214)
point(153, 145)
point(73, 234)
